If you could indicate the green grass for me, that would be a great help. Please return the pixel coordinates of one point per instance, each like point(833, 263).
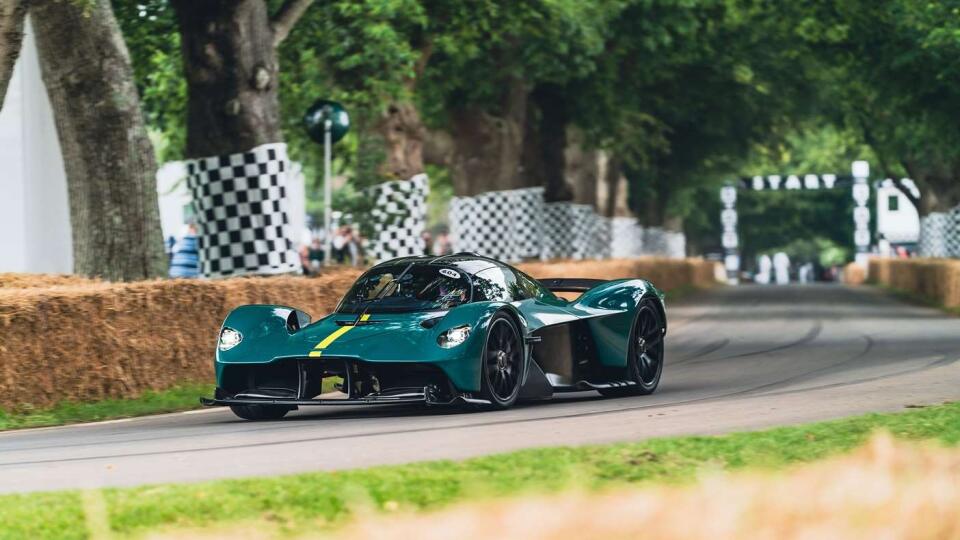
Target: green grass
point(914, 298)
point(299, 503)
point(180, 398)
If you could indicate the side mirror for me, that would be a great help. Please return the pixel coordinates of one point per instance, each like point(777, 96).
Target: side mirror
point(297, 320)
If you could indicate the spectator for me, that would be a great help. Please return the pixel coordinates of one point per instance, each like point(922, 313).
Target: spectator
point(353, 246)
point(442, 245)
point(339, 243)
point(427, 241)
point(304, 253)
point(315, 254)
point(184, 260)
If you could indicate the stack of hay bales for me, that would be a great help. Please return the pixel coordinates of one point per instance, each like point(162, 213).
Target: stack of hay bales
point(937, 280)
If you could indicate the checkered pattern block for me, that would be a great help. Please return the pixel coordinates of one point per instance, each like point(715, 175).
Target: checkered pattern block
point(527, 220)
point(399, 218)
point(583, 222)
point(574, 231)
point(241, 207)
point(505, 225)
point(934, 230)
point(952, 235)
point(601, 237)
point(626, 238)
point(676, 244)
point(558, 234)
point(659, 241)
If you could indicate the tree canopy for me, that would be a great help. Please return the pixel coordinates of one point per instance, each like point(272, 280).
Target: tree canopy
point(682, 94)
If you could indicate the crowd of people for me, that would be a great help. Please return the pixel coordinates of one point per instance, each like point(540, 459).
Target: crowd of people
point(346, 248)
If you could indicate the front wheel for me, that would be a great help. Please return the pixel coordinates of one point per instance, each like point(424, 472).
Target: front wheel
point(645, 353)
point(502, 363)
point(260, 412)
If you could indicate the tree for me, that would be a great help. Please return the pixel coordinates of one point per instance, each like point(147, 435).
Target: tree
point(108, 158)
point(12, 14)
point(230, 62)
point(150, 31)
point(888, 70)
point(497, 86)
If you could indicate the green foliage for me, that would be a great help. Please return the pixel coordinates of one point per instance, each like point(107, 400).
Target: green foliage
point(150, 30)
point(179, 398)
point(771, 220)
point(301, 503)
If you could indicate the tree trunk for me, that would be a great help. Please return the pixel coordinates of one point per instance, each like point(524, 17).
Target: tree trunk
point(614, 189)
point(403, 135)
point(938, 195)
point(939, 188)
point(12, 13)
point(230, 64)
point(487, 149)
point(111, 172)
point(552, 127)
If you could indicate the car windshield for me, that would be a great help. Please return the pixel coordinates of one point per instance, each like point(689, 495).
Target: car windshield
point(423, 287)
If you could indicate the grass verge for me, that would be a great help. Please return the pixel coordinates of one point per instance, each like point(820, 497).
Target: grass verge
point(916, 299)
point(180, 398)
point(184, 397)
point(322, 501)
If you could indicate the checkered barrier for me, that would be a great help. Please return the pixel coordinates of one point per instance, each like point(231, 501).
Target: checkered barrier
point(516, 224)
point(242, 216)
point(574, 231)
point(626, 238)
point(601, 237)
point(934, 231)
point(399, 218)
point(558, 234)
point(505, 225)
point(659, 241)
point(953, 233)
point(582, 232)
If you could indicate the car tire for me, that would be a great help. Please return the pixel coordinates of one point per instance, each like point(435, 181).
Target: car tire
point(260, 412)
point(502, 363)
point(645, 354)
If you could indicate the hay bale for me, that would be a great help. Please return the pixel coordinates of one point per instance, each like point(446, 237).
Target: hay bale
point(663, 272)
point(854, 274)
point(111, 340)
point(887, 489)
point(937, 280)
point(10, 280)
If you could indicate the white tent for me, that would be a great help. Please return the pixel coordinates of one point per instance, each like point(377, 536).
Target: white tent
point(34, 215)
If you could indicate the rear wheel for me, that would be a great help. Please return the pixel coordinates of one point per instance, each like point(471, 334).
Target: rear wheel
point(260, 412)
point(645, 354)
point(503, 362)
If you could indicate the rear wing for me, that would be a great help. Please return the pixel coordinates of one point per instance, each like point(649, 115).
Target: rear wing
point(571, 284)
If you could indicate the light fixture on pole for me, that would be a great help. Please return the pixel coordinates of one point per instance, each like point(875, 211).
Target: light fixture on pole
point(327, 122)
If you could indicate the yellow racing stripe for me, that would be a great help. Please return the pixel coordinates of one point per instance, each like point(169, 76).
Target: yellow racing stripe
point(333, 337)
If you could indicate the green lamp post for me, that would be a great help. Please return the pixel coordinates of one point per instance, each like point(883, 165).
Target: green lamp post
point(326, 122)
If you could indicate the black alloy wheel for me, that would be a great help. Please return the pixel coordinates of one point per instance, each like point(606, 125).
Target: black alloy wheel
point(645, 355)
point(503, 362)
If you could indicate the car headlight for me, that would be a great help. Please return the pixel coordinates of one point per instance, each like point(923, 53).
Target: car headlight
point(454, 336)
point(229, 338)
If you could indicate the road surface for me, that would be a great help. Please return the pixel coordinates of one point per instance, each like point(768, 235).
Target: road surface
point(738, 358)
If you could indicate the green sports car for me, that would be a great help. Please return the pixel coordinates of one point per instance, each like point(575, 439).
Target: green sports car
point(457, 329)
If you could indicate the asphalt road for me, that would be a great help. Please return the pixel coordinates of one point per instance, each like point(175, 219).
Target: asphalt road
point(737, 358)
